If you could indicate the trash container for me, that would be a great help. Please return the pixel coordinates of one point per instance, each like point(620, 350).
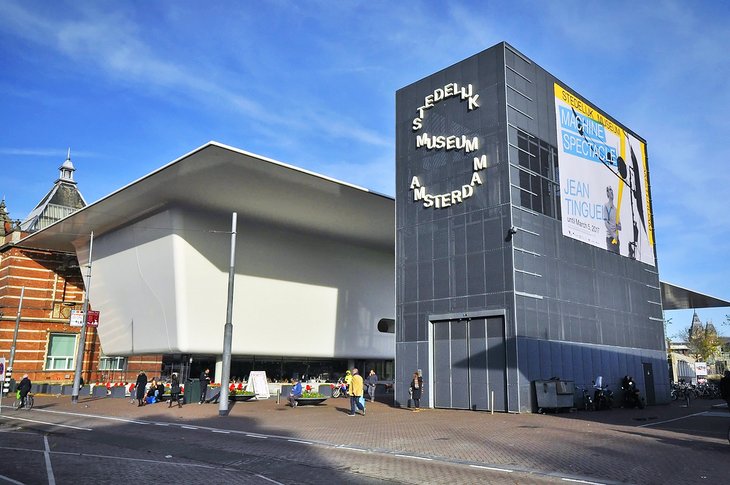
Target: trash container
point(192, 391)
point(554, 394)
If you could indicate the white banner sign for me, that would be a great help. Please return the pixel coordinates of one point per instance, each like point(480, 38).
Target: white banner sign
point(604, 182)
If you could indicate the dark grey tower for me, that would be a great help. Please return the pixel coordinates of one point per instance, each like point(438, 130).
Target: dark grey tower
point(501, 279)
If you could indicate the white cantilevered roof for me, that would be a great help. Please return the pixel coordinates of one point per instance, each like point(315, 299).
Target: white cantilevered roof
point(215, 178)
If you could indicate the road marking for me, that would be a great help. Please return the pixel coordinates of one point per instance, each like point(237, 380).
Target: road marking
point(188, 427)
point(10, 480)
point(301, 442)
point(268, 479)
point(49, 468)
point(143, 460)
point(669, 420)
point(44, 422)
point(96, 416)
point(415, 457)
point(162, 424)
point(352, 449)
point(221, 432)
point(256, 436)
point(581, 481)
point(491, 468)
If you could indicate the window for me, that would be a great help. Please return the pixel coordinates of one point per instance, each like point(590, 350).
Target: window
point(386, 325)
point(537, 176)
point(61, 350)
point(112, 363)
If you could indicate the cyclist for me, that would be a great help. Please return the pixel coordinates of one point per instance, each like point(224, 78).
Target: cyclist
point(24, 389)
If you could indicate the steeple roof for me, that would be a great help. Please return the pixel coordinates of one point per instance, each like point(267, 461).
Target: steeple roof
point(63, 199)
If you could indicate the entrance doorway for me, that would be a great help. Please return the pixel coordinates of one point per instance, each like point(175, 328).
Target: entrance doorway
point(469, 363)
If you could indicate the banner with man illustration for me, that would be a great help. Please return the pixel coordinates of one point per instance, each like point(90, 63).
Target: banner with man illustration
point(604, 185)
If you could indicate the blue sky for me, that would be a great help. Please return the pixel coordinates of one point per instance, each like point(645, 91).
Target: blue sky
point(130, 86)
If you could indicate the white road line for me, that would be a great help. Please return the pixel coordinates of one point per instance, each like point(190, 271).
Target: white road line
point(49, 468)
point(491, 468)
point(188, 427)
point(10, 480)
point(143, 460)
point(221, 432)
point(581, 481)
point(256, 436)
point(96, 416)
point(669, 420)
point(44, 422)
point(415, 457)
point(352, 449)
point(301, 442)
point(269, 479)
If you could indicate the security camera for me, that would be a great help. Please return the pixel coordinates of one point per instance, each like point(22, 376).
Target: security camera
point(510, 232)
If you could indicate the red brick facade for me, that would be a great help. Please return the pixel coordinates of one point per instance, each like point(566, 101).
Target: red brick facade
point(53, 287)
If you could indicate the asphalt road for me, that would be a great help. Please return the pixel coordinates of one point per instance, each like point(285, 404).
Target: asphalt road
point(111, 441)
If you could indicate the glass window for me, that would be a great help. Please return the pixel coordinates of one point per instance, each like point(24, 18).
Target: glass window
point(61, 350)
point(112, 363)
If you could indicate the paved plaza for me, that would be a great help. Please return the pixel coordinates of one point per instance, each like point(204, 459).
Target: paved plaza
point(105, 440)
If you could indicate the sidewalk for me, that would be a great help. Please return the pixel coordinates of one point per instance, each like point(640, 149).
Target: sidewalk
point(656, 445)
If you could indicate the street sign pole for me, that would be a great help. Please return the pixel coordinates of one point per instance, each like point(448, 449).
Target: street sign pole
point(82, 340)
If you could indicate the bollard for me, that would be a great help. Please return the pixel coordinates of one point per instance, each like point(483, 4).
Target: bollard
point(278, 393)
point(491, 406)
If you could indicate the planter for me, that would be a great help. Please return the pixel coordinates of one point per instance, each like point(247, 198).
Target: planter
point(241, 397)
point(118, 391)
point(99, 391)
point(54, 389)
point(303, 401)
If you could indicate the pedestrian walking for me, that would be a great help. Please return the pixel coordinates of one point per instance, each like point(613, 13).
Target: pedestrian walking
point(416, 390)
point(204, 381)
point(140, 386)
point(175, 390)
point(356, 393)
point(372, 381)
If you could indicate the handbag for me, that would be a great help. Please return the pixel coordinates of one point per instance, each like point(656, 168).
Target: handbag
point(361, 401)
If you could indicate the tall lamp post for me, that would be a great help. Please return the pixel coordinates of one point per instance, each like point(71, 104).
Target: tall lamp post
point(82, 340)
point(228, 327)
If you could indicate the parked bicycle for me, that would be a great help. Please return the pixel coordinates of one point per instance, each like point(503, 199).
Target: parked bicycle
point(18, 403)
point(587, 400)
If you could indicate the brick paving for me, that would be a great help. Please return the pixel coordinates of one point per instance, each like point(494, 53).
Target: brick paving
point(657, 445)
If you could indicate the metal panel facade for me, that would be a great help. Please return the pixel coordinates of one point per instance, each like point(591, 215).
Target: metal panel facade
point(476, 155)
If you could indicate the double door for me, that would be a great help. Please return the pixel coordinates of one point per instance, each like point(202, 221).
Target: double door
point(469, 365)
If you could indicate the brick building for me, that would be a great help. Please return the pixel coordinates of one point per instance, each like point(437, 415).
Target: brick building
point(46, 286)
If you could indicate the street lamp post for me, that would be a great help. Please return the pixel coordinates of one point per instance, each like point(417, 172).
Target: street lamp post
point(228, 328)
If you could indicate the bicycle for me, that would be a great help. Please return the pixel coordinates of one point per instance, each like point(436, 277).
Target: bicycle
point(29, 401)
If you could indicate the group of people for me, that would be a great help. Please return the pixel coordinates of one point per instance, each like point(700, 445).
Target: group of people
point(356, 387)
point(155, 391)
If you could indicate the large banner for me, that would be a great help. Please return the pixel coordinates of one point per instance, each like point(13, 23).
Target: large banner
point(604, 186)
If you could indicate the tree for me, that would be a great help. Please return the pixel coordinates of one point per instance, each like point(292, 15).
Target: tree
point(702, 344)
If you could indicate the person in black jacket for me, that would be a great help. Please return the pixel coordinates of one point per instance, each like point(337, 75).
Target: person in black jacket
point(175, 391)
point(204, 381)
point(416, 390)
point(140, 387)
point(24, 388)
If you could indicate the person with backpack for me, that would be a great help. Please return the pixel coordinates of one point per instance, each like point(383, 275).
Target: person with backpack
point(24, 388)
